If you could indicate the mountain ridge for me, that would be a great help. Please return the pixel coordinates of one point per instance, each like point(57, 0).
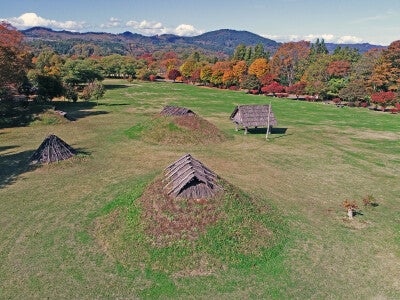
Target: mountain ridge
point(221, 41)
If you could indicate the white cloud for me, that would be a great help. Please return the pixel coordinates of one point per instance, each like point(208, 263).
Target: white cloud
point(187, 30)
point(157, 28)
point(31, 20)
point(147, 27)
point(328, 38)
point(349, 39)
point(112, 23)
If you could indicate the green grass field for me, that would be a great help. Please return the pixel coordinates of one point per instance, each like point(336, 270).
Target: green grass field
point(73, 229)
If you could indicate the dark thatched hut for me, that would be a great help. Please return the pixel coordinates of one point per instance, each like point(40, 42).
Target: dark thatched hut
point(52, 149)
point(189, 178)
point(176, 111)
point(253, 116)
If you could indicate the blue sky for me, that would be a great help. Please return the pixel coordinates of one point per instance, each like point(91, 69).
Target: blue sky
point(374, 21)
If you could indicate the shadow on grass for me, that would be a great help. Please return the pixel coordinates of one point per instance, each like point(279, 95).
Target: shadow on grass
point(4, 148)
point(23, 116)
point(83, 114)
point(275, 130)
point(113, 104)
point(115, 86)
point(19, 116)
point(14, 164)
point(82, 152)
point(78, 110)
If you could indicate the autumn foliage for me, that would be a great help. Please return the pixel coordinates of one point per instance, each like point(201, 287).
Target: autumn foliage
point(14, 56)
point(273, 88)
point(384, 99)
point(173, 74)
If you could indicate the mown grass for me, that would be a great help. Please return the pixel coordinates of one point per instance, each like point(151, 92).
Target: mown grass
point(50, 245)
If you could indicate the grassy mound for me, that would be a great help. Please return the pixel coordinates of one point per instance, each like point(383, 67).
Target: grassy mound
point(177, 130)
point(49, 117)
point(147, 230)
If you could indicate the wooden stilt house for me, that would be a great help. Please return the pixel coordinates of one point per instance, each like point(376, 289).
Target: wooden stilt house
point(253, 116)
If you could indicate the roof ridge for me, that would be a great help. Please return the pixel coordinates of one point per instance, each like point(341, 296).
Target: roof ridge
point(188, 171)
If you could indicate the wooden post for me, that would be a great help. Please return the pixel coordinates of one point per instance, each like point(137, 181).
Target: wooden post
point(269, 113)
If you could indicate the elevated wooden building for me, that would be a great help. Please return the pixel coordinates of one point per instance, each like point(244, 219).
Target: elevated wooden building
point(253, 116)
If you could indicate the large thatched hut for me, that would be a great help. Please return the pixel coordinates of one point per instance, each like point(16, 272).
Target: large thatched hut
point(189, 178)
point(52, 149)
point(253, 116)
point(176, 111)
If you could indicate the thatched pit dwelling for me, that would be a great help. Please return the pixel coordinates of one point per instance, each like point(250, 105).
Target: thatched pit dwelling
point(253, 116)
point(176, 111)
point(52, 149)
point(189, 178)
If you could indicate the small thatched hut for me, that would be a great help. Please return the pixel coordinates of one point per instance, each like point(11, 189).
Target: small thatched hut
point(176, 111)
point(52, 149)
point(253, 116)
point(189, 178)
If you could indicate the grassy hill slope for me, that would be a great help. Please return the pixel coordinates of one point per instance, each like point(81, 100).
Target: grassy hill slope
point(68, 229)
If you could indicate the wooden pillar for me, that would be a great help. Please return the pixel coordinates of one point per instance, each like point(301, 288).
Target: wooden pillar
point(268, 118)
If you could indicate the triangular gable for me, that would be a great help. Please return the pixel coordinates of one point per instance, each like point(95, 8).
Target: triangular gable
point(189, 178)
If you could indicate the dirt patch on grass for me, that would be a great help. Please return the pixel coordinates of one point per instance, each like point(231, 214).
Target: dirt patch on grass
point(373, 135)
point(172, 219)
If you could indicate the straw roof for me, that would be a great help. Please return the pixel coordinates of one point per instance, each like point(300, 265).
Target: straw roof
point(253, 115)
point(52, 149)
point(189, 178)
point(176, 111)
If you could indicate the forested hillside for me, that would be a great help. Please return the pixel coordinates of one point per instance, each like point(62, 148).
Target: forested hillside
point(219, 42)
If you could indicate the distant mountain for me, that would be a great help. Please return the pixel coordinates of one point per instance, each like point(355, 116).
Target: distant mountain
point(362, 48)
point(226, 40)
point(219, 42)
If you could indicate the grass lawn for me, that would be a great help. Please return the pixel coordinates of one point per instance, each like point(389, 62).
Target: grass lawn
point(73, 229)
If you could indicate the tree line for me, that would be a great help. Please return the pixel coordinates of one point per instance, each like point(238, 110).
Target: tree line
point(304, 68)
point(299, 68)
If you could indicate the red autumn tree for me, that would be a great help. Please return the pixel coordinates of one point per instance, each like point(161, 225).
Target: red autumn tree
point(173, 74)
point(14, 56)
point(297, 88)
point(196, 75)
point(267, 79)
point(383, 99)
point(392, 56)
point(273, 88)
point(147, 58)
point(287, 61)
point(339, 68)
point(222, 66)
